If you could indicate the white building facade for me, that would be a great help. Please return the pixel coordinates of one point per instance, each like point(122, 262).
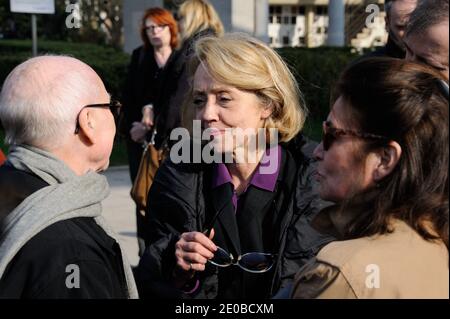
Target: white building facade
point(304, 23)
point(313, 23)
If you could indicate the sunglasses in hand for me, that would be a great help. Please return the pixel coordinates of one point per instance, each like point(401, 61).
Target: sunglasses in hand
point(254, 262)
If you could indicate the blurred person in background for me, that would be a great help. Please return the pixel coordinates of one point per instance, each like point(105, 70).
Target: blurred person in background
point(427, 35)
point(196, 19)
point(159, 33)
point(397, 17)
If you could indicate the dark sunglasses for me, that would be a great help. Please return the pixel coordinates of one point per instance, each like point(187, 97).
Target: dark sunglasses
point(113, 105)
point(331, 134)
point(254, 262)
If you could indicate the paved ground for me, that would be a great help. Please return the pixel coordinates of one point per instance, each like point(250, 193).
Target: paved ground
point(119, 210)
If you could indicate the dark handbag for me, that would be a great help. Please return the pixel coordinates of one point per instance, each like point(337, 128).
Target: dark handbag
point(150, 161)
point(144, 179)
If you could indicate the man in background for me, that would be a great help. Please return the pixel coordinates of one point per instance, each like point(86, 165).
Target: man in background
point(397, 17)
point(427, 35)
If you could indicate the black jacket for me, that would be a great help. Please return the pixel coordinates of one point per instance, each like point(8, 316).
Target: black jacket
point(142, 86)
point(181, 200)
point(391, 49)
point(175, 84)
point(42, 267)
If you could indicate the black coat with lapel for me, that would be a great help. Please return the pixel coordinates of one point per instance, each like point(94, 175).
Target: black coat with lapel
point(181, 199)
point(256, 227)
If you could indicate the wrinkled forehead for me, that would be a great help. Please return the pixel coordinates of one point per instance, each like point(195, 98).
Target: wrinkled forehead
point(401, 10)
point(438, 35)
point(203, 80)
point(431, 43)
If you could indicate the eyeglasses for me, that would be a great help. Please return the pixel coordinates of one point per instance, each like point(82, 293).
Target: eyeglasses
point(331, 134)
point(254, 262)
point(443, 87)
point(156, 28)
point(113, 105)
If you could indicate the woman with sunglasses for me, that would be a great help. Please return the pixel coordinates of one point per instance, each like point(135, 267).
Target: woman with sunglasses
point(218, 229)
point(159, 33)
point(383, 161)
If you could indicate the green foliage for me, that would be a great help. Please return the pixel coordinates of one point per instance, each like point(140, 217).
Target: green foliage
point(119, 153)
point(109, 63)
point(94, 28)
point(316, 70)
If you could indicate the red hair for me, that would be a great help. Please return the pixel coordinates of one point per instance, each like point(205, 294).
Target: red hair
point(2, 157)
point(160, 16)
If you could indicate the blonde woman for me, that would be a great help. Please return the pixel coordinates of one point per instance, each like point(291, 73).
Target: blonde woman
point(196, 19)
point(218, 230)
point(198, 16)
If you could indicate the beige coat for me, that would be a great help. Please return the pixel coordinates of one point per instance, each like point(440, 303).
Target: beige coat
point(396, 265)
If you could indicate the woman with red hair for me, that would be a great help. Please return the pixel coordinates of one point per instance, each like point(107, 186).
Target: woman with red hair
point(159, 34)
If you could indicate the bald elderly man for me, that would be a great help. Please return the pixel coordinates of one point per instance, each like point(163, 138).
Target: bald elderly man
point(427, 35)
point(54, 242)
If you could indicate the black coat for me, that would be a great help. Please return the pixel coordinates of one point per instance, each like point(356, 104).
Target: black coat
point(142, 86)
point(40, 268)
point(391, 49)
point(175, 84)
point(181, 200)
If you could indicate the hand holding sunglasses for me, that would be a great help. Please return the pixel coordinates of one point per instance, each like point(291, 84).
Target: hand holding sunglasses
point(193, 250)
point(254, 262)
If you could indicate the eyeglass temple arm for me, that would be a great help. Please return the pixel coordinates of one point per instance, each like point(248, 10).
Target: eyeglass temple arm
point(213, 220)
point(444, 88)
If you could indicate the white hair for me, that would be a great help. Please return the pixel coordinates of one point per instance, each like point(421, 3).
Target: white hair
point(41, 98)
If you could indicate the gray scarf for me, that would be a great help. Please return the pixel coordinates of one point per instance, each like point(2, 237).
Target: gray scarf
point(67, 196)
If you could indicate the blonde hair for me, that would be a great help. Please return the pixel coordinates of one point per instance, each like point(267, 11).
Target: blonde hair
point(198, 15)
point(241, 61)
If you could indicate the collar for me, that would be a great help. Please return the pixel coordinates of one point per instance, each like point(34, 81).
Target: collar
point(264, 177)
